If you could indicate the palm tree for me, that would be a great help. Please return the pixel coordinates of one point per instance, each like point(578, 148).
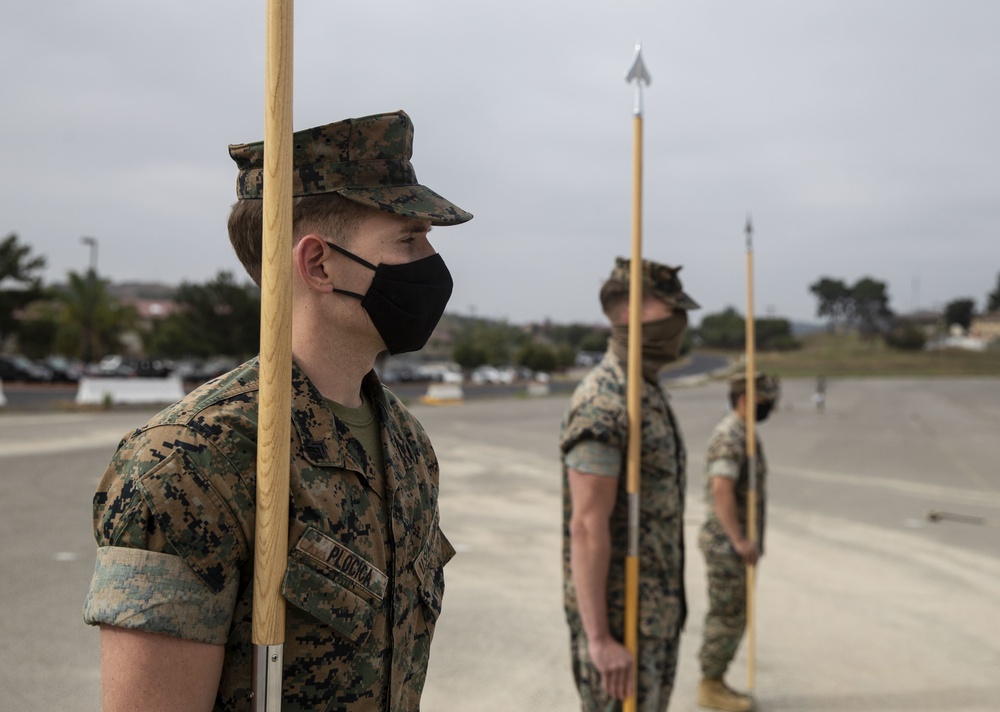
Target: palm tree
point(92, 321)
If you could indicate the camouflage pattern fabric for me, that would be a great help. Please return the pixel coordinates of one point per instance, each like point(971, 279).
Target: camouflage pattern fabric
point(366, 160)
point(657, 279)
point(174, 520)
point(657, 671)
point(726, 616)
point(598, 412)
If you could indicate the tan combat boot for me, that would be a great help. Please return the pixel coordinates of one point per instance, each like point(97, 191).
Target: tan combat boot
point(715, 695)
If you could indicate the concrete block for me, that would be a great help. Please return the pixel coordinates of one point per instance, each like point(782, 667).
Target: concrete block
point(121, 391)
point(538, 388)
point(443, 394)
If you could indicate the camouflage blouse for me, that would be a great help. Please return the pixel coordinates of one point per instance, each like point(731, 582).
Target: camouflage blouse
point(174, 522)
point(598, 412)
point(727, 457)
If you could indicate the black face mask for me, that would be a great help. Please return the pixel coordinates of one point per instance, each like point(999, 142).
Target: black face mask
point(762, 411)
point(405, 302)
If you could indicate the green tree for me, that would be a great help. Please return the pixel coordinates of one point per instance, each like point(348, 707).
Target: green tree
point(218, 318)
point(993, 298)
point(869, 309)
point(775, 334)
point(20, 281)
point(959, 312)
point(904, 335)
point(725, 330)
point(537, 357)
point(493, 341)
point(91, 321)
point(468, 355)
point(597, 340)
point(572, 334)
point(39, 328)
point(834, 300)
point(565, 355)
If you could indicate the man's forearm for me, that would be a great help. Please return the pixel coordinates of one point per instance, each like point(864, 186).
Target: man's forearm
point(590, 560)
point(725, 509)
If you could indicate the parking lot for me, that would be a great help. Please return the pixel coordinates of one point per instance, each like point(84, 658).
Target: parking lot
point(863, 603)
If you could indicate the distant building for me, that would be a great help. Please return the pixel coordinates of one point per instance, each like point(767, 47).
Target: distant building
point(986, 327)
point(931, 323)
point(150, 310)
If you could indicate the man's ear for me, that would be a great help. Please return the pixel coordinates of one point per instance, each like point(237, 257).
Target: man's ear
point(310, 260)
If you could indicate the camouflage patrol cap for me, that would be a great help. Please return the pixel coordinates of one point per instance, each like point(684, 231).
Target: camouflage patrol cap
point(767, 387)
point(366, 160)
point(660, 280)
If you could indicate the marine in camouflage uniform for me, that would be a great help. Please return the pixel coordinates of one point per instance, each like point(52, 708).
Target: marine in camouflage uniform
point(174, 517)
point(593, 443)
point(174, 512)
point(725, 619)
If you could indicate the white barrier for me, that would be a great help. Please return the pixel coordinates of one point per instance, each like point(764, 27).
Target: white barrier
point(443, 394)
point(101, 391)
point(538, 388)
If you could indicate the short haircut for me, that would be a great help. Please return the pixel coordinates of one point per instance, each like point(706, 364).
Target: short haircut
point(614, 296)
point(334, 216)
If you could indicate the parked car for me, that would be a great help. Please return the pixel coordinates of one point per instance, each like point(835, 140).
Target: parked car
point(114, 365)
point(492, 374)
point(440, 373)
point(64, 370)
point(22, 368)
point(210, 369)
point(152, 368)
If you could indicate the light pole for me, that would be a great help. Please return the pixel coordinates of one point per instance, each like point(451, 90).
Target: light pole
point(89, 303)
point(92, 242)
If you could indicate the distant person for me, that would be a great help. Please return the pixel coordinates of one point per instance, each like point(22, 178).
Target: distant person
point(174, 512)
point(819, 396)
point(593, 442)
point(725, 541)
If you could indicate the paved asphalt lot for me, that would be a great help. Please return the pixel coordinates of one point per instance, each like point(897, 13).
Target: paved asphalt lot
point(863, 604)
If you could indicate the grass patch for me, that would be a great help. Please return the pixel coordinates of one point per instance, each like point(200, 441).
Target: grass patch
point(849, 355)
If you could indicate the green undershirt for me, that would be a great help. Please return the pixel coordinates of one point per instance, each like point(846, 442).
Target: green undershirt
point(364, 426)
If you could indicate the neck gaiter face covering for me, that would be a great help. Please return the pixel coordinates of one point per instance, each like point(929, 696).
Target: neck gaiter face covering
point(661, 343)
point(405, 302)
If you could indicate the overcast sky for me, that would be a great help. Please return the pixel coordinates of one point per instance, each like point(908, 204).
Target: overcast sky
point(862, 135)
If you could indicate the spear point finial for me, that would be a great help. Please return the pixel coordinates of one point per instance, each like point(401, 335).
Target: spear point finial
point(637, 75)
point(637, 70)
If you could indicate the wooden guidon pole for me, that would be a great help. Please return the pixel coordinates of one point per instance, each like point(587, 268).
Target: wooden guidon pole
point(751, 422)
point(273, 436)
point(636, 75)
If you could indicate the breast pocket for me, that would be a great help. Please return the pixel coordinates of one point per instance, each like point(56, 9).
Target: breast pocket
point(429, 569)
point(334, 584)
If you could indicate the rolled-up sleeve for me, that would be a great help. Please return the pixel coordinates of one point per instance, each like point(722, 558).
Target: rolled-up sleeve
point(724, 467)
point(170, 548)
point(595, 458)
point(157, 593)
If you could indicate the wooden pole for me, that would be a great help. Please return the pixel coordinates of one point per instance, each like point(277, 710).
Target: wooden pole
point(637, 74)
point(274, 429)
point(751, 422)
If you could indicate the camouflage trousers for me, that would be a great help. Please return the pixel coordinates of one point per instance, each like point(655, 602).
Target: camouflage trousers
point(657, 667)
point(727, 611)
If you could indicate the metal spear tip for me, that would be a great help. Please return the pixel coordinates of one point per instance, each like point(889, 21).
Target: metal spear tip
point(749, 228)
point(637, 71)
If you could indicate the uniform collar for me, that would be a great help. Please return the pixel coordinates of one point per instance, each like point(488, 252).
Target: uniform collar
point(326, 441)
point(619, 369)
